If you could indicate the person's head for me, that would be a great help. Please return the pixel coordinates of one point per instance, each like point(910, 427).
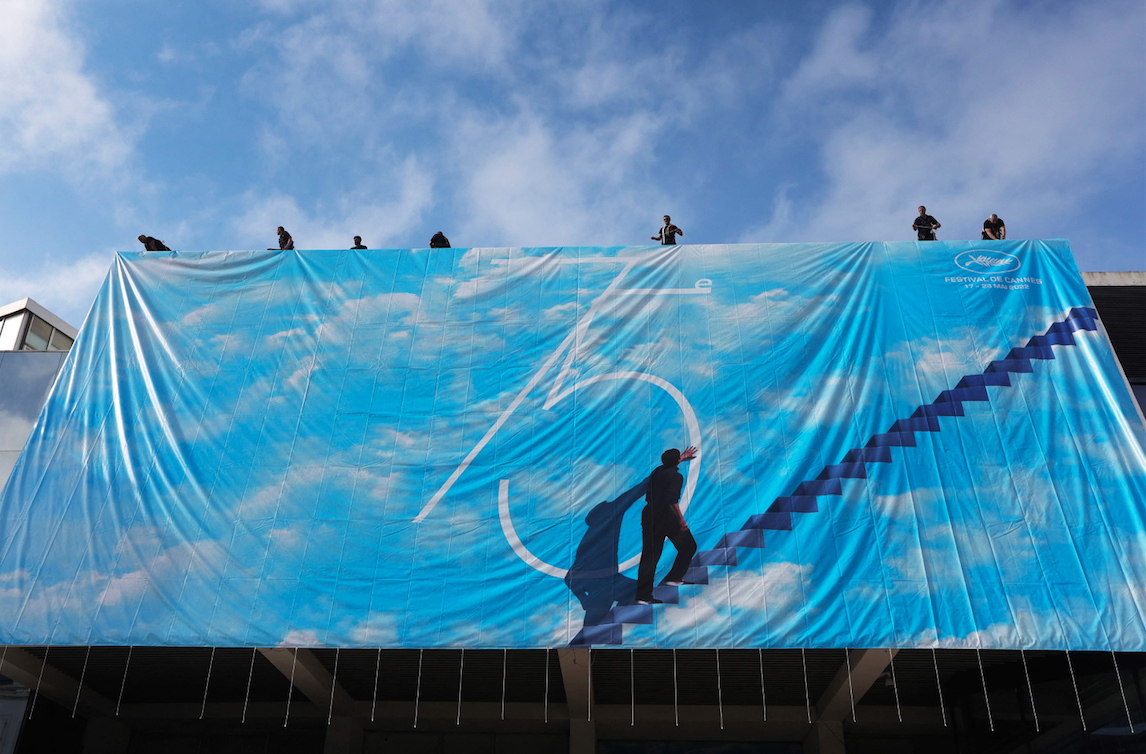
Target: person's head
point(358, 239)
point(667, 219)
point(922, 210)
point(994, 217)
point(671, 457)
point(142, 238)
point(280, 230)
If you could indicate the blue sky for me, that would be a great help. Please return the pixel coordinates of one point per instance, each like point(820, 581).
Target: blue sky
point(209, 123)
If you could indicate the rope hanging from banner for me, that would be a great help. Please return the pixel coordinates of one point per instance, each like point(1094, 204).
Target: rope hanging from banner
point(939, 685)
point(851, 692)
point(206, 686)
point(1030, 689)
point(1074, 683)
point(333, 686)
point(461, 667)
point(36, 697)
point(1125, 704)
point(418, 691)
point(374, 698)
point(80, 685)
point(719, 691)
point(763, 697)
point(250, 675)
point(986, 698)
point(807, 695)
point(290, 691)
point(894, 684)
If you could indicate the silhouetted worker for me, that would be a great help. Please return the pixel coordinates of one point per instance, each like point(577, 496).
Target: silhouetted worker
point(925, 225)
point(285, 241)
point(358, 243)
point(668, 233)
point(595, 576)
point(662, 519)
point(439, 241)
point(152, 244)
point(994, 229)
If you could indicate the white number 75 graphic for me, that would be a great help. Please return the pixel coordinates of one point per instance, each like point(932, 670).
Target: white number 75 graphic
point(571, 347)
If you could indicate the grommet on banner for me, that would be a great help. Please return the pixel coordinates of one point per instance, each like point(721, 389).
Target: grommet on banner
point(374, 700)
point(1125, 704)
point(763, 698)
point(461, 667)
point(1077, 698)
point(851, 692)
point(987, 699)
point(632, 692)
point(547, 685)
point(504, 660)
point(290, 691)
point(589, 688)
point(939, 686)
point(43, 665)
point(894, 685)
point(1030, 689)
point(206, 686)
point(333, 686)
point(807, 695)
point(418, 691)
point(675, 710)
point(250, 675)
point(719, 691)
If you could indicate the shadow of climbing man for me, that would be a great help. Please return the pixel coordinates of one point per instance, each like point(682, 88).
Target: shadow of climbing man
point(595, 576)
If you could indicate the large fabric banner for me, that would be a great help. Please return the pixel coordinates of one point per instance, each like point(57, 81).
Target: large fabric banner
point(898, 444)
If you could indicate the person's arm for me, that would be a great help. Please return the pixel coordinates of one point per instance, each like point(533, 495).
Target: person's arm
point(990, 232)
point(1002, 232)
point(679, 232)
point(689, 453)
point(936, 226)
point(659, 234)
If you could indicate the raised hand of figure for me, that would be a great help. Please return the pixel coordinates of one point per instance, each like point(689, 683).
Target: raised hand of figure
point(689, 453)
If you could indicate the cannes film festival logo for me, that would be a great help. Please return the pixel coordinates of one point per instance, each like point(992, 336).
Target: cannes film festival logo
point(987, 262)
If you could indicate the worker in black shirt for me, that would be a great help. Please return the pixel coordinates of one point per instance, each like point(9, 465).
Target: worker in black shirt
point(152, 244)
point(662, 519)
point(668, 233)
point(925, 225)
point(285, 241)
point(439, 241)
point(358, 243)
point(994, 229)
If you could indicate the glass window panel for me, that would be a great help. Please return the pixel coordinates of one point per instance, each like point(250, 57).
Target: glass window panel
point(60, 342)
point(39, 332)
point(11, 331)
point(25, 379)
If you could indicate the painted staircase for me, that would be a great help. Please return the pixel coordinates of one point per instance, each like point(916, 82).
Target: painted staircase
point(778, 517)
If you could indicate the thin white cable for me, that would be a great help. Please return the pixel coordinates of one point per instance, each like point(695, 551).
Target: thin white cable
point(1077, 698)
point(939, 686)
point(719, 691)
point(632, 692)
point(43, 665)
point(851, 692)
point(504, 661)
point(1030, 689)
point(250, 675)
point(1122, 688)
point(207, 685)
point(333, 686)
point(675, 709)
point(895, 685)
point(418, 692)
point(547, 685)
point(461, 668)
point(80, 687)
point(374, 703)
point(807, 696)
point(290, 691)
point(987, 699)
point(2, 656)
point(763, 698)
point(589, 689)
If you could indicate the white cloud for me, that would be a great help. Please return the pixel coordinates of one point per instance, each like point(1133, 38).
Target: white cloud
point(50, 109)
point(65, 287)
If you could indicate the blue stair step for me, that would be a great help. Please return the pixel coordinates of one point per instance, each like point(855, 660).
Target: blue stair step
point(1084, 324)
point(896, 439)
point(916, 424)
point(1031, 352)
point(960, 394)
point(820, 487)
point(1010, 365)
point(939, 409)
point(606, 633)
point(795, 504)
point(698, 575)
point(639, 614)
point(770, 521)
point(724, 556)
point(880, 454)
point(1083, 311)
point(996, 379)
point(666, 593)
point(1052, 339)
point(847, 470)
point(744, 538)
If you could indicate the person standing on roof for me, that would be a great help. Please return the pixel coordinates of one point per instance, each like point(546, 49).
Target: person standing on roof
point(358, 243)
point(285, 241)
point(661, 519)
point(667, 234)
point(994, 229)
point(439, 241)
point(152, 244)
point(925, 225)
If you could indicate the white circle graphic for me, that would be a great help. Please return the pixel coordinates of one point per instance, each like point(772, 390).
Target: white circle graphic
point(987, 261)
